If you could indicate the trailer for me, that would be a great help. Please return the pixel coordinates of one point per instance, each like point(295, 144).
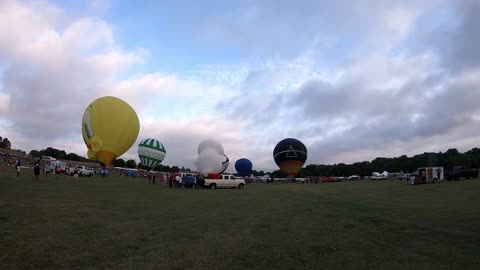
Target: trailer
point(55, 164)
point(427, 175)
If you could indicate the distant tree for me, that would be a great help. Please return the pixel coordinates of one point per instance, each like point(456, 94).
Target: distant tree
point(174, 169)
point(474, 155)
point(75, 157)
point(162, 168)
point(278, 174)
point(141, 166)
point(5, 143)
point(34, 153)
point(304, 173)
point(51, 152)
point(452, 152)
point(61, 154)
point(131, 163)
point(258, 173)
point(119, 163)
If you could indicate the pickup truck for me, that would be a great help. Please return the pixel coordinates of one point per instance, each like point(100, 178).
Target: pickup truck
point(214, 181)
point(84, 171)
point(461, 172)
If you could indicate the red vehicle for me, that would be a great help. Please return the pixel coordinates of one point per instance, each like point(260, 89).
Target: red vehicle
point(328, 179)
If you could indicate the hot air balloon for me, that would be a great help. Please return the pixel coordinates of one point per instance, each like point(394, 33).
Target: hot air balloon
point(290, 155)
point(243, 167)
point(211, 158)
point(210, 143)
point(225, 163)
point(209, 161)
point(109, 128)
point(151, 152)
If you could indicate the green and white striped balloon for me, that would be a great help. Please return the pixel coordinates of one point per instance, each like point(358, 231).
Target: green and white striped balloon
point(151, 152)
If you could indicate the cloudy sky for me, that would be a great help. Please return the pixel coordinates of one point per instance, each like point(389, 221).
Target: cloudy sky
point(351, 79)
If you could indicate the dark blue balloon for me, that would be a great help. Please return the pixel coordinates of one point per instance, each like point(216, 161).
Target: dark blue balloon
point(243, 167)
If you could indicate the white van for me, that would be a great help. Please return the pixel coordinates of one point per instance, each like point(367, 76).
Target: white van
point(224, 181)
point(51, 165)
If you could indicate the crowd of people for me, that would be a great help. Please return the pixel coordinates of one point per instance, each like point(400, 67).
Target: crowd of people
point(172, 180)
point(305, 180)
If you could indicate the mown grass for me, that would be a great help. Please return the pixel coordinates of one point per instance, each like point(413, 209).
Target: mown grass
point(125, 223)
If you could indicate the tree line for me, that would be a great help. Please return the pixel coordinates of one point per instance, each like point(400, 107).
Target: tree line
point(57, 154)
point(119, 162)
point(449, 159)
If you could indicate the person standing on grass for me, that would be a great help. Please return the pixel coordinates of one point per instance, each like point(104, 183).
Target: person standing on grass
point(184, 181)
point(36, 171)
point(170, 180)
point(160, 179)
point(17, 167)
point(178, 182)
point(200, 180)
point(195, 181)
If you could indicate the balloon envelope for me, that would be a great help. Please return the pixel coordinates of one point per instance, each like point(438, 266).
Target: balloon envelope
point(210, 143)
point(225, 163)
point(243, 167)
point(151, 152)
point(290, 154)
point(109, 128)
point(209, 161)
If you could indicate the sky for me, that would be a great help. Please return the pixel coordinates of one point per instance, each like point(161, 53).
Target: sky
point(352, 80)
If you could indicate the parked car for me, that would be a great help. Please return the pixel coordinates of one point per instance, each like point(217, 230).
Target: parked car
point(189, 179)
point(84, 171)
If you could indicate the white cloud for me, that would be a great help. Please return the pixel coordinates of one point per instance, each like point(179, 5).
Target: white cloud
point(53, 68)
point(4, 103)
point(55, 73)
point(343, 81)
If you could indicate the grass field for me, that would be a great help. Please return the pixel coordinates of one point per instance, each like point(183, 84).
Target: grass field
point(122, 223)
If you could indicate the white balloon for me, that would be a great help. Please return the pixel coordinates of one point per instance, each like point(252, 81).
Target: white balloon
point(209, 161)
point(225, 163)
point(210, 144)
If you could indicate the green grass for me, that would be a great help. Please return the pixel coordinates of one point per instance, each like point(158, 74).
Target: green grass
point(122, 223)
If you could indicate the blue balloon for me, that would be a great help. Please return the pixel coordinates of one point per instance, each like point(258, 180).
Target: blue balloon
point(243, 167)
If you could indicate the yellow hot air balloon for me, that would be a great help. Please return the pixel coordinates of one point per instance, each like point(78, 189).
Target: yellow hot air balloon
point(109, 128)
